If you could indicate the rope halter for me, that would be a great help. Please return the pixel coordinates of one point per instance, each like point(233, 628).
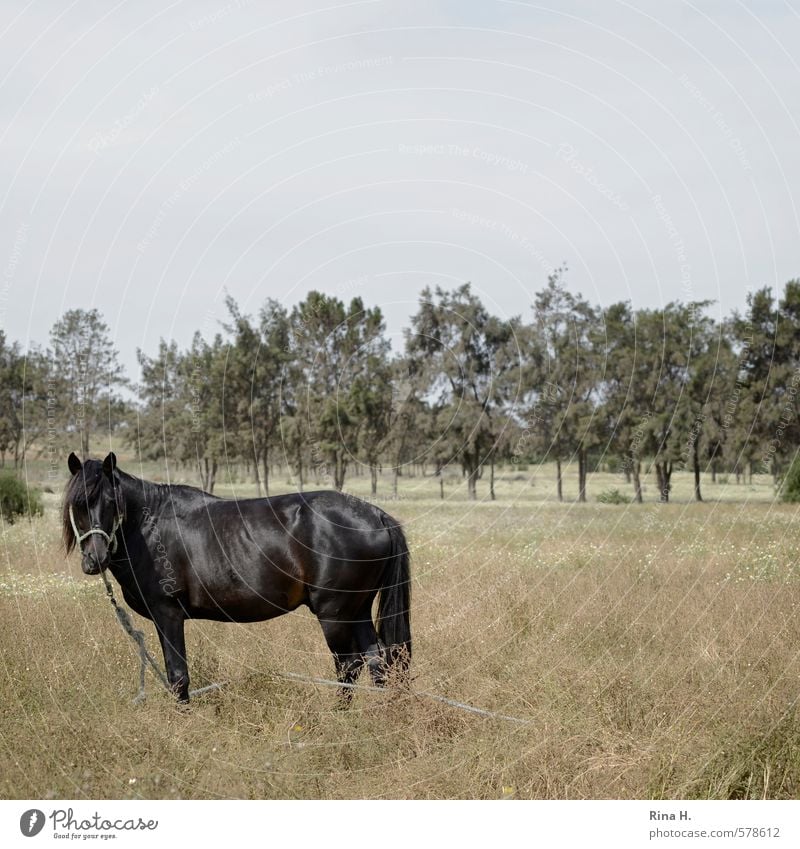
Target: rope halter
point(111, 539)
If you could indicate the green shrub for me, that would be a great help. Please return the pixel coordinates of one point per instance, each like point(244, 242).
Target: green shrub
point(17, 500)
point(613, 496)
point(790, 485)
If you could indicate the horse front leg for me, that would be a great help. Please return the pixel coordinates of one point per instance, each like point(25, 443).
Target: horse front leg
point(169, 625)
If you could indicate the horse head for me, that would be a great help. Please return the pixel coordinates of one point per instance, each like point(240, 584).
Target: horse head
point(93, 511)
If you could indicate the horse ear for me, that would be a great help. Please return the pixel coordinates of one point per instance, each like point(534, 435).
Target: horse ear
point(110, 463)
point(74, 463)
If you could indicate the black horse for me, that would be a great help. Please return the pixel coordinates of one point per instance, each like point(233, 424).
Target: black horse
point(179, 553)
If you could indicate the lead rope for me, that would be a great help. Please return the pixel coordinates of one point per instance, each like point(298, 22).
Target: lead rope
point(137, 636)
point(307, 679)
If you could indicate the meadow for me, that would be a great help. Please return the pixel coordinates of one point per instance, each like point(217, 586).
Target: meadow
point(654, 651)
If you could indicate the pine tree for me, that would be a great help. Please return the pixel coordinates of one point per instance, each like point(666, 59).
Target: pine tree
point(85, 374)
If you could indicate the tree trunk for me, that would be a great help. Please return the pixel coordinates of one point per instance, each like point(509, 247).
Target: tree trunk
point(258, 478)
point(558, 479)
point(265, 464)
point(663, 475)
point(339, 469)
point(300, 469)
point(441, 487)
point(491, 480)
point(373, 474)
point(637, 481)
point(582, 461)
point(472, 478)
point(697, 494)
point(627, 474)
point(714, 472)
point(213, 478)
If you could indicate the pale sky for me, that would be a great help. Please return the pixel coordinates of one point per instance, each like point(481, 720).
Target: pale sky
point(154, 157)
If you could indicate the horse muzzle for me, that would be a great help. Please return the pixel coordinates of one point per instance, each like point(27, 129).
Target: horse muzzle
point(92, 566)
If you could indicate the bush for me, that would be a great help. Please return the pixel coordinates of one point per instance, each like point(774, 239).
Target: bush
point(613, 496)
point(17, 500)
point(790, 484)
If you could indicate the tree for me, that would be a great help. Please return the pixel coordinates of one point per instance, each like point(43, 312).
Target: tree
point(409, 429)
point(771, 368)
point(204, 368)
point(704, 386)
point(661, 389)
point(85, 373)
point(662, 347)
point(671, 343)
point(182, 415)
point(790, 488)
point(23, 403)
point(164, 417)
point(256, 384)
point(721, 405)
point(624, 404)
point(465, 354)
point(567, 383)
point(373, 404)
point(333, 347)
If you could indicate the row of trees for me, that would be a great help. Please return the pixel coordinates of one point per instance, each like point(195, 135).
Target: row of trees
point(317, 389)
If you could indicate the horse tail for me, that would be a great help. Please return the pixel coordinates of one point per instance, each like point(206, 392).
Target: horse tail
point(394, 603)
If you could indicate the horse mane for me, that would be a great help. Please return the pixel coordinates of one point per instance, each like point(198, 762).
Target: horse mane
point(82, 490)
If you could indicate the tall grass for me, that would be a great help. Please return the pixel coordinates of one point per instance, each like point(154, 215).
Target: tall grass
point(654, 649)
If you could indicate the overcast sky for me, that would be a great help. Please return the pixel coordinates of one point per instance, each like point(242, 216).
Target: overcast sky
point(154, 157)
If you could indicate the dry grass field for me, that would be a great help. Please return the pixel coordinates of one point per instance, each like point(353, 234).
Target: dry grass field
point(654, 649)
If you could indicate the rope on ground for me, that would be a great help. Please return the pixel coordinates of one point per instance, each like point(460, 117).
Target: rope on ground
point(308, 679)
point(146, 659)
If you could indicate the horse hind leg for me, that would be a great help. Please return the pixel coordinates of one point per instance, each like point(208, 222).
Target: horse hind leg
point(343, 643)
point(369, 646)
point(373, 653)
